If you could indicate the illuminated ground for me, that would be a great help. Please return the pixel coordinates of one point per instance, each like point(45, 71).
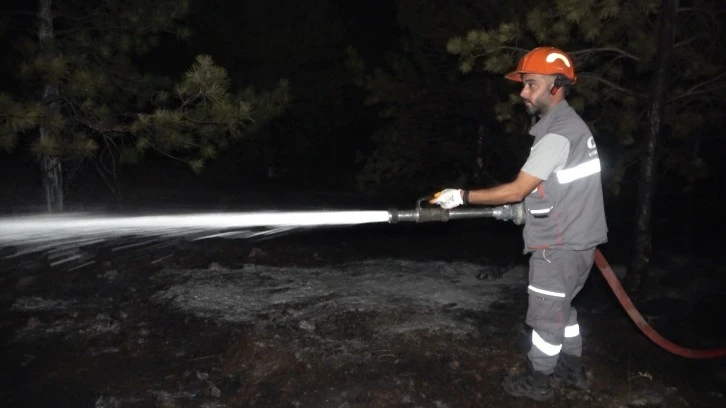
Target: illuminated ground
point(387, 316)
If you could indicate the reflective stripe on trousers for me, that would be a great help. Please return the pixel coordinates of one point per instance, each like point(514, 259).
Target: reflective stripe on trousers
point(543, 346)
point(572, 331)
point(554, 349)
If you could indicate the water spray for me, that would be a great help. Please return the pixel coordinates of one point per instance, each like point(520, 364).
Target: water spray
point(50, 232)
point(37, 233)
point(46, 229)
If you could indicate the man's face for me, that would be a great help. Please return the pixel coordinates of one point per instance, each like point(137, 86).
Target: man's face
point(536, 93)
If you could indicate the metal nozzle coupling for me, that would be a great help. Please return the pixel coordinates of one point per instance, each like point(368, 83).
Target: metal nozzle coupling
point(510, 212)
point(513, 212)
point(418, 215)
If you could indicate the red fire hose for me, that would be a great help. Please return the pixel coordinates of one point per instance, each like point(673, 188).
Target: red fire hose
point(638, 319)
point(515, 213)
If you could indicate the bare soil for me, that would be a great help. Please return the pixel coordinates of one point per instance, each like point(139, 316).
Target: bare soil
point(388, 316)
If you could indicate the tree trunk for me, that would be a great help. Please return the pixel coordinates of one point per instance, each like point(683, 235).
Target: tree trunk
point(51, 167)
point(637, 269)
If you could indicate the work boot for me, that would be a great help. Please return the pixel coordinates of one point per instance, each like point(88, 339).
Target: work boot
point(532, 384)
point(570, 372)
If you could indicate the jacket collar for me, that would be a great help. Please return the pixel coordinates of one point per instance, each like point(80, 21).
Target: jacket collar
point(541, 127)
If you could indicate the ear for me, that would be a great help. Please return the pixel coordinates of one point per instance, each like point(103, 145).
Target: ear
point(554, 90)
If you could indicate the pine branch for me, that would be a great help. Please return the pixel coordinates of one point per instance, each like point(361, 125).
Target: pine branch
point(688, 41)
point(694, 89)
point(606, 49)
point(509, 48)
point(79, 117)
point(612, 84)
point(693, 104)
point(204, 122)
point(101, 129)
point(697, 93)
point(191, 99)
point(163, 153)
point(501, 47)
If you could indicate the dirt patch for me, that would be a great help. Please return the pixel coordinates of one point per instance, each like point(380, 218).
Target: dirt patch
point(314, 321)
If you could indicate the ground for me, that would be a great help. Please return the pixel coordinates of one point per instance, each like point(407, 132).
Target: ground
point(374, 316)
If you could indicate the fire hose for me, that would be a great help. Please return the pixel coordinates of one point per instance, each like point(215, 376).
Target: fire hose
point(516, 214)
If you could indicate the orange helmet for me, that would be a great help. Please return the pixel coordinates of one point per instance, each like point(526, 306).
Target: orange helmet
point(544, 61)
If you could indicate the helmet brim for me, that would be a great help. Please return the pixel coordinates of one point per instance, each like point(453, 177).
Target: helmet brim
point(514, 76)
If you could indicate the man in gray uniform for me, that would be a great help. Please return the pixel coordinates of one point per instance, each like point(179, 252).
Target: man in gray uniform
point(565, 220)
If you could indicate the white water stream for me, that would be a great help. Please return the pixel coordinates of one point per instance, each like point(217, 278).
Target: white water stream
point(36, 233)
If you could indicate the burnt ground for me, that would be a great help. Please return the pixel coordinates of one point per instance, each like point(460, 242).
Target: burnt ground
point(375, 316)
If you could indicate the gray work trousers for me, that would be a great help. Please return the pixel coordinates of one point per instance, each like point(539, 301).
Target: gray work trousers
point(555, 278)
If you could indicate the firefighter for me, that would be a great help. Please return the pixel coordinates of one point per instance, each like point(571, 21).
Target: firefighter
point(560, 185)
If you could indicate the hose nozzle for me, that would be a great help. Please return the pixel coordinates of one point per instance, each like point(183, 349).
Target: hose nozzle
point(509, 212)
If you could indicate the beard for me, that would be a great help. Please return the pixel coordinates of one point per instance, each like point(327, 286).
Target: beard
point(532, 110)
point(535, 108)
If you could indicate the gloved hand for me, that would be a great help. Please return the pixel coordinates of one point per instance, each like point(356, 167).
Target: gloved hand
point(448, 198)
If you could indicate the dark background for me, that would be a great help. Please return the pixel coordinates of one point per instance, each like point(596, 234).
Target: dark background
point(318, 166)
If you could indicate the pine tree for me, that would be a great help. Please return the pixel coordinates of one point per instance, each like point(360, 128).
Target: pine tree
point(98, 104)
point(15, 119)
point(615, 47)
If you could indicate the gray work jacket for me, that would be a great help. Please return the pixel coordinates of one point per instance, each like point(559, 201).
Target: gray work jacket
point(566, 211)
